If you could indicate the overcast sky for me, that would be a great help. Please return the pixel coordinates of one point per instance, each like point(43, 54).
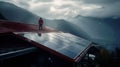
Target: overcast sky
point(70, 8)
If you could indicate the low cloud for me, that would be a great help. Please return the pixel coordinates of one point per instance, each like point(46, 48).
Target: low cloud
point(100, 1)
point(70, 8)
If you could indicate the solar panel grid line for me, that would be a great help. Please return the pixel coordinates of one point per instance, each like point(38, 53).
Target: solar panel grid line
point(50, 46)
point(68, 42)
point(79, 40)
point(76, 42)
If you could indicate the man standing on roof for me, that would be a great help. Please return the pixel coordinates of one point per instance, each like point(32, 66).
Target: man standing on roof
point(40, 24)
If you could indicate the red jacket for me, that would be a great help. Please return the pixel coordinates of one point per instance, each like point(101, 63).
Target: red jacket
point(40, 21)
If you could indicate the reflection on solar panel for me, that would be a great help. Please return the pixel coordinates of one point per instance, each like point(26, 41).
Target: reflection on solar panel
point(63, 43)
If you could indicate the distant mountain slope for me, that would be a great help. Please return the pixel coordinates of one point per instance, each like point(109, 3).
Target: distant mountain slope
point(104, 31)
point(66, 26)
point(15, 13)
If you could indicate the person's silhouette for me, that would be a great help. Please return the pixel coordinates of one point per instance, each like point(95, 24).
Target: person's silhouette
point(40, 24)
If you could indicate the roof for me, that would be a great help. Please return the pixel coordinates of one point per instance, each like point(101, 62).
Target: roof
point(63, 45)
point(7, 26)
point(11, 46)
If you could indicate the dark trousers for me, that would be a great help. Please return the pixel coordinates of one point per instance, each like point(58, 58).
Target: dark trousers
point(40, 27)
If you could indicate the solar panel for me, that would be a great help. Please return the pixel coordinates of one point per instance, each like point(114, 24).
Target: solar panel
point(63, 43)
